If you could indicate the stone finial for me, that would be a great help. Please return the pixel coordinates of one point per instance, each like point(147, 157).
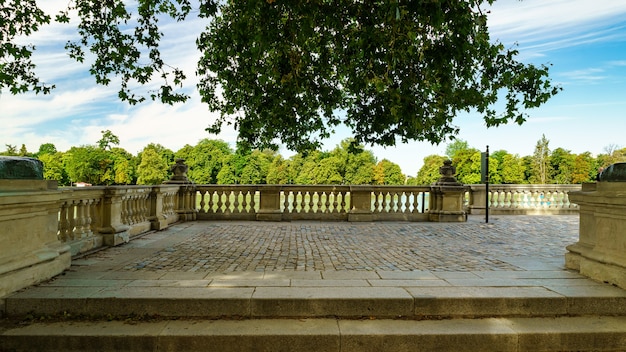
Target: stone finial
point(448, 173)
point(613, 173)
point(20, 168)
point(180, 172)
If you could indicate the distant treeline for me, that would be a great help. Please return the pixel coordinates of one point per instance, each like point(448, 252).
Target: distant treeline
point(215, 162)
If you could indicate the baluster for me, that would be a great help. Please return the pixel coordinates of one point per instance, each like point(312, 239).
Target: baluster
point(211, 195)
point(286, 203)
point(141, 203)
point(80, 220)
point(376, 203)
point(146, 206)
point(331, 202)
point(94, 215)
point(220, 202)
point(253, 203)
point(343, 204)
point(202, 202)
point(236, 201)
point(88, 211)
point(407, 203)
point(63, 223)
point(134, 206)
point(398, 201)
point(296, 202)
point(319, 203)
point(72, 220)
point(244, 201)
point(306, 202)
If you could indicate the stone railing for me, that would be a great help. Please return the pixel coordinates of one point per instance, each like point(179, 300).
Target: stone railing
point(522, 199)
point(45, 226)
point(307, 202)
point(90, 217)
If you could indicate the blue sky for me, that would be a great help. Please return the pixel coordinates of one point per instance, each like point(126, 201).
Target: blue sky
point(584, 40)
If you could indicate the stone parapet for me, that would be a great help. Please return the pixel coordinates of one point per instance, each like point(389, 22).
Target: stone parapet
point(28, 232)
point(600, 252)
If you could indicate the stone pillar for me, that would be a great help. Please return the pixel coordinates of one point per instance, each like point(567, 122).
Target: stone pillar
point(158, 220)
point(29, 209)
point(477, 203)
point(600, 252)
point(114, 231)
point(360, 204)
point(446, 197)
point(269, 207)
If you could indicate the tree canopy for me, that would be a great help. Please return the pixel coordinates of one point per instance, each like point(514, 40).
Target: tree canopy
point(290, 71)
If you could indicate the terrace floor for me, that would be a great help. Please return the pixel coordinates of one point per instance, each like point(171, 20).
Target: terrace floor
point(512, 251)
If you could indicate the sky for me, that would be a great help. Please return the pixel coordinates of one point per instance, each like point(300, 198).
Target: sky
point(584, 41)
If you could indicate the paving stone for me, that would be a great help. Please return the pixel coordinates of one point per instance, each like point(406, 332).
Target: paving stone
point(507, 243)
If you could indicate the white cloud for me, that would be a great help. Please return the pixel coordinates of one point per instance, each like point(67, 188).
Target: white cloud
point(539, 25)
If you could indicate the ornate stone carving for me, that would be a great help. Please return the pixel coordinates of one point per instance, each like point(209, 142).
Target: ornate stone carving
point(448, 173)
point(180, 172)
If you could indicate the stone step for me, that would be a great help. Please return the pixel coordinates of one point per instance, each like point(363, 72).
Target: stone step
point(336, 335)
point(318, 302)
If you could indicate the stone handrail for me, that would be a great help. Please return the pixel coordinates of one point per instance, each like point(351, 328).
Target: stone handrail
point(90, 217)
point(523, 199)
point(312, 202)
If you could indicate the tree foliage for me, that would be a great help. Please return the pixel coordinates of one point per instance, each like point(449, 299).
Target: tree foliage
point(281, 70)
point(291, 71)
point(17, 71)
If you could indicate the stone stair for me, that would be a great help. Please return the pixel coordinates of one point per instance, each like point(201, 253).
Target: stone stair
point(551, 314)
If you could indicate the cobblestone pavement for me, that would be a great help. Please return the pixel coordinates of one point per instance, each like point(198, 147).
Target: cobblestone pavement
point(234, 246)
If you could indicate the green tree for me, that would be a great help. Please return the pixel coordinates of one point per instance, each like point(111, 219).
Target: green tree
point(23, 151)
point(388, 173)
point(456, 146)
point(511, 169)
point(88, 164)
point(292, 71)
point(584, 169)
point(20, 18)
point(562, 166)
point(467, 163)
point(540, 167)
point(53, 168)
point(355, 163)
point(278, 172)
point(206, 159)
point(429, 172)
point(46, 148)
point(108, 140)
point(153, 167)
point(11, 150)
point(257, 167)
point(328, 171)
point(124, 167)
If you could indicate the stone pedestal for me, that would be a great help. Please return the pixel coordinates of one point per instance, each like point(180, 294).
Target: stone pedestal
point(447, 197)
point(31, 251)
point(361, 204)
point(600, 252)
point(269, 207)
point(186, 210)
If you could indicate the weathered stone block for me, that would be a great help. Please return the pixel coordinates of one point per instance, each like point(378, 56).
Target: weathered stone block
point(21, 168)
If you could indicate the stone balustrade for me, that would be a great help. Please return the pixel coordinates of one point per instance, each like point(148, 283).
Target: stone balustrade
point(45, 226)
point(312, 202)
point(523, 199)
